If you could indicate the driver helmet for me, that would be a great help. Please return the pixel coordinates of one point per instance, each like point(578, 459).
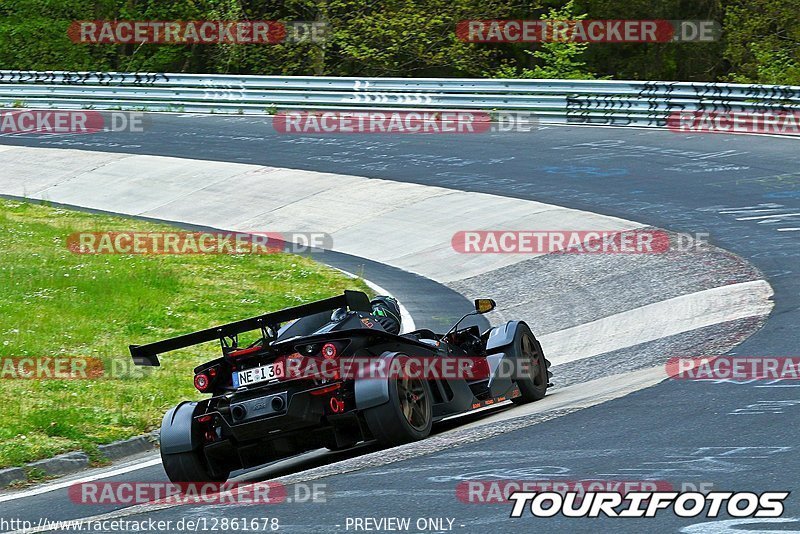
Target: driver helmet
point(387, 312)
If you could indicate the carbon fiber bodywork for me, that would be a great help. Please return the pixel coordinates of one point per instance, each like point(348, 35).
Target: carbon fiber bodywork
point(247, 424)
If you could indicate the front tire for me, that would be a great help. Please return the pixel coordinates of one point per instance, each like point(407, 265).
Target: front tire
point(532, 375)
point(406, 417)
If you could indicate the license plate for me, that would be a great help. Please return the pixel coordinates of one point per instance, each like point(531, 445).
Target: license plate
point(265, 373)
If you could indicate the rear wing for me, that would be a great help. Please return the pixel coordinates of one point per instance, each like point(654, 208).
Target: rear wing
point(147, 355)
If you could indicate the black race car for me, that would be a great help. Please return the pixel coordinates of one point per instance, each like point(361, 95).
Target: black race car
point(332, 374)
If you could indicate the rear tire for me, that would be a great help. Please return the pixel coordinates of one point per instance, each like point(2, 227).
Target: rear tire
point(408, 416)
point(530, 364)
point(189, 467)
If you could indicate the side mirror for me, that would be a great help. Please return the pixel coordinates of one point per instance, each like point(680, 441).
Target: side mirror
point(484, 305)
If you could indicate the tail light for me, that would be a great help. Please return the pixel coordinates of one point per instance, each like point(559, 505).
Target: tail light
point(207, 377)
point(202, 382)
point(328, 351)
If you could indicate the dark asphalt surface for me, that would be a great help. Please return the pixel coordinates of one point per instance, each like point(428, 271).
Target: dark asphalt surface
point(735, 436)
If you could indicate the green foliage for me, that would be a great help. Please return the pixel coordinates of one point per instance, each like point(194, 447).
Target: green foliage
point(763, 41)
point(699, 61)
point(760, 39)
point(558, 59)
point(58, 303)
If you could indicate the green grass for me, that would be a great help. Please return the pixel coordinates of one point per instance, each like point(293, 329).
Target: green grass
point(57, 303)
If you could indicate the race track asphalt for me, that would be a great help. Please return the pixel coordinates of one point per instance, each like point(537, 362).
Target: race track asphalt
point(742, 190)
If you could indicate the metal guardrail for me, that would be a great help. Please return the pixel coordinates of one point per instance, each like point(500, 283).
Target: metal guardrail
point(572, 101)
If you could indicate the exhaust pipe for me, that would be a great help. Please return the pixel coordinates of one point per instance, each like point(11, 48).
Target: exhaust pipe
point(238, 412)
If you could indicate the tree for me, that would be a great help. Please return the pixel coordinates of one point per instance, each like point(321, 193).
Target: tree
point(763, 41)
point(559, 59)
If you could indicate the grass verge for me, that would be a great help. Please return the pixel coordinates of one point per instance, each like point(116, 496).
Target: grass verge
point(55, 303)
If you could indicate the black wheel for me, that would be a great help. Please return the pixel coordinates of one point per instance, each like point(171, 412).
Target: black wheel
point(407, 416)
point(189, 467)
point(178, 431)
point(532, 376)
